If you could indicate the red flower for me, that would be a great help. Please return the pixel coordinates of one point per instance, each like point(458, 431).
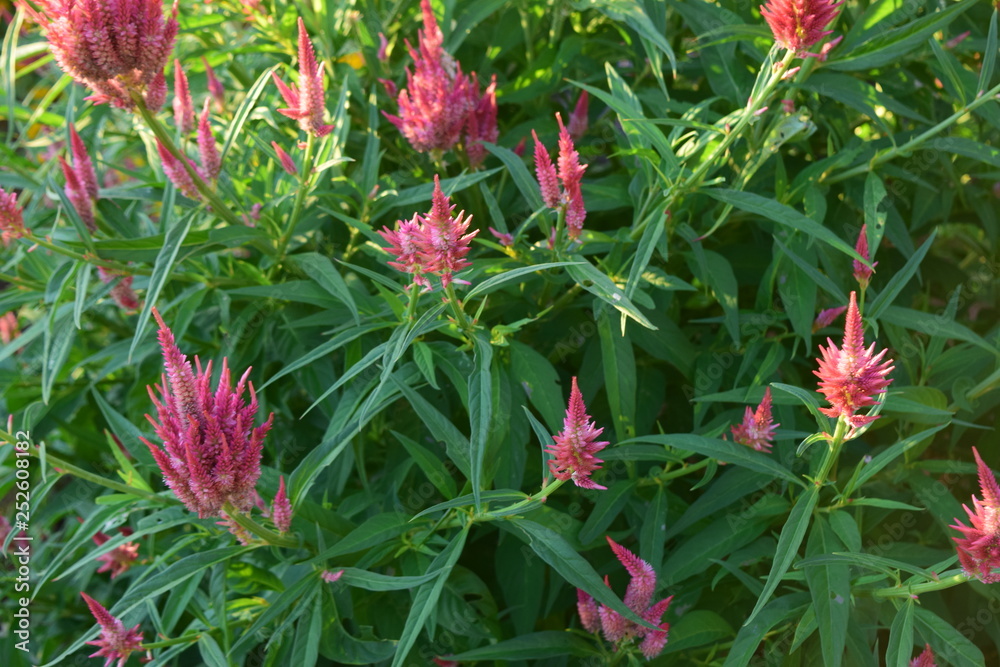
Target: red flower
point(925, 659)
point(757, 429)
point(979, 550)
point(115, 641)
point(576, 445)
point(798, 24)
point(569, 173)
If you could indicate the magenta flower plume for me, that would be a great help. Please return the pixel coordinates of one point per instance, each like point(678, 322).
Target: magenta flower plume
point(78, 182)
point(925, 659)
point(979, 549)
point(545, 172)
point(215, 87)
point(435, 103)
point(851, 376)
point(798, 24)
point(176, 172)
point(183, 105)
point(211, 161)
point(576, 445)
point(281, 509)
point(757, 429)
point(306, 102)
point(115, 48)
point(579, 120)
point(569, 199)
point(82, 165)
point(287, 163)
point(119, 559)
point(638, 597)
point(403, 244)
point(444, 242)
point(827, 317)
point(115, 641)
point(862, 272)
point(11, 218)
point(211, 449)
point(481, 124)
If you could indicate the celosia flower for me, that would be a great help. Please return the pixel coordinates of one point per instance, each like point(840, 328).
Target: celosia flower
point(287, 163)
point(11, 218)
point(444, 242)
point(115, 48)
point(851, 376)
point(578, 119)
point(481, 123)
point(757, 429)
point(281, 509)
point(331, 577)
point(215, 87)
point(115, 641)
point(506, 239)
point(176, 172)
point(862, 272)
point(306, 101)
point(569, 200)
point(121, 291)
point(119, 559)
point(576, 445)
point(383, 48)
point(435, 103)
point(925, 659)
point(979, 549)
point(211, 161)
point(81, 180)
point(798, 24)
point(403, 245)
point(638, 596)
point(211, 449)
point(9, 329)
point(183, 104)
point(827, 317)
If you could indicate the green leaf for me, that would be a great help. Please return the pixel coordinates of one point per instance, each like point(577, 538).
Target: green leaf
point(327, 348)
point(868, 561)
point(211, 653)
point(697, 628)
point(305, 650)
point(618, 360)
point(634, 15)
point(246, 108)
point(809, 400)
point(540, 381)
point(431, 465)
point(59, 337)
point(508, 496)
point(322, 270)
point(480, 408)
point(494, 282)
point(821, 279)
point(591, 279)
point(752, 633)
point(373, 581)
point(989, 56)
point(374, 531)
point(883, 459)
point(899, 280)
point(82, 284)
point(609, 505)
point(456, 444)
point(946, 640)
point(788, 545)
point(349, 650)
point(830, 587)
point(426, 598)
point(296, 597)
point(900, 646)
point(547, 644)
point(523, 178)
point(932, 325)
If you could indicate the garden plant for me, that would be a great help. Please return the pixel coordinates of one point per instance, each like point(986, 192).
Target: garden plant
point(499, 332)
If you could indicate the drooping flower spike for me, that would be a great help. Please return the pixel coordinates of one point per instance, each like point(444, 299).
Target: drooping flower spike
point(287, 163)
point(211, 448)
point(851, 376)
point(798, 24)
point(121, 291)
point(11, 217)
point(576, 446)
point(215, 87)
point(115, 642)
point(757, 429)
point(211, 161)
point(306, 102)
point(979, 549)
point(117, 49)
point(175, 171)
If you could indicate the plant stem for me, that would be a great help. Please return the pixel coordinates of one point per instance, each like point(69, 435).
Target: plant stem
point(260, 531)
point(905, 591)
point(677, 472)
point(541, 496)
point(456, 309)
point(305, 182)
point(106, 263)
point(833, 452)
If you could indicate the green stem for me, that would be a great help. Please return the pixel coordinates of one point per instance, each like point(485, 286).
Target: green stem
point(185, 639)
point(916, 589)
point(833, 451)
point(20, 282)
point(673, 474)
point(260, 531)
point(504, 512)
point(456, 309)
point(305, 182)
point(411, 307)
point(106, 263)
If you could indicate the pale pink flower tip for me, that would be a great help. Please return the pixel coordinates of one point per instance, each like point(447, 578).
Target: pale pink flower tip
point(638, 596)
point(575, 446)
point(579, 120)
point(331, 577)
point(281, 509)
point(211, 449)
point(115, 641)
point(757, 429)
point(545, 172)
point(979, 549)
point(862, 272)
point(183, 105)
point(11, 217)
point(306, 102)
point(827, 317)
point(798, 24)
point(121, 291)
point(287, 163)
point(851, 376)
point(925, 659)
point(116, 49)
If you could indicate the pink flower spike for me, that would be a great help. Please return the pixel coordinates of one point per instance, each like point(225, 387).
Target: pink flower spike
point(545, 171)
point(979, 549)
point(119, 559)
point(579, 120)
point(925, 659)
point(176, 172)
point(115, 641)
point(156, 93)
point(506, 239)
point(850, 377)
point(827, 317)
point(331, 577)
point(798, 24)
point(281, 509)
point(575, 446)
point(403, 245)
point(863, 272)
point(82, 165)
point(571, 173)
point(287, 163)
point(77, 196)
point(306, 103)
point(11, 218)
point(183, 105)
point(211, 161)
point(757, 429)
point(587, 608)
point(383, 46)
point(444, 242)
point(640, 589)
point(215, 87)
point(481, 124)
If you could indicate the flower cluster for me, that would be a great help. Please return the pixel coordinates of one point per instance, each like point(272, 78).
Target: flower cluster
point(211, 160)
point(757, 429)
point(117, 49)
point(979, 550)
point(439, 101)
point(798, 24)
point(576, 445)
point(851, 376)
point(925, 659)
point(568, 200)
point(81, 180)
point(433, 244)
point(116, 642)
point(305, 102)
point(638, 597)
point(11, 217)
point(211, 450)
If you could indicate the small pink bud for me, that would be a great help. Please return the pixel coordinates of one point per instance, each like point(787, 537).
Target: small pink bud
point(183, 105)
point(176, 172)
point(287, 163)
point(578, 120)
point(862, 272)
point(331, 577)
point(281, 509)
point(383, 46)
point(211, 161)
point(215, 87)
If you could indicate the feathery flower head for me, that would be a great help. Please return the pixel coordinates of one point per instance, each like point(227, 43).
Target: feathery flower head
point(862, 272)
point(798, 24)
point(436, 102)
point(287, 163)
point(306, 102)
point(827, 317)
point(851, 376)
point(281, 509)
point(638, 597)
point(403, 244)
point(215, 87)
point(82, 165)
point(979, 549)
point(176, 172)
point(77, 195)
point(757, 429)
point(114, 48)
point(11, 217)
point(115, 641)
point(578, 119)
point(119, 559)
point(545, 172)
point(444, 242)
point(183, 104)
point(481, 124)
point(211, 449)
point(211, 161)
point(575, 446)
point(925, 659)
point(570, 172)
